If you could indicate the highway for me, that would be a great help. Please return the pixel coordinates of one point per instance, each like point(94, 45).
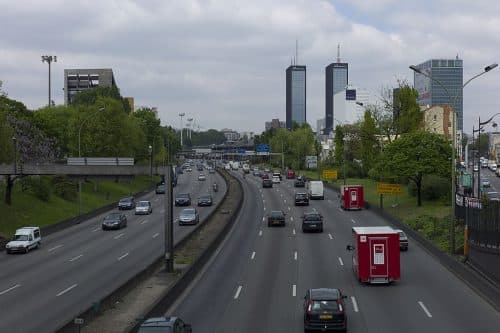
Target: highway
point(258, 278)
point(42, 290)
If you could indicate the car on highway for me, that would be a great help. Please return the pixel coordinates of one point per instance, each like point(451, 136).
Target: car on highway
point(202, 177)
point(324, 310)
point(24, 239)
point(264, 175)
point(312, 221)
point(189, 216)
point(267, 183)
point(126, 203)
point(256, 173)
point(299, 182)
point(277, 173)
point(290, 174)
point(205, 200)
point(301, 199)
point(114, 221)
point(476, 168)
point(160, 189)
point(143, 207)
point(403, 240)
point(183, 199)
point(276, 180)
point(189, 169)
point(493, 196)
point(199, 167)
point(164, 325)
point(485, 183)
point(211, 170)
point(276, 217)
point(267, 170)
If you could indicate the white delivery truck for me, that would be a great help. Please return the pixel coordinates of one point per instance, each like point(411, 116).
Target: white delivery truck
point(315, 189)
point(24, 239)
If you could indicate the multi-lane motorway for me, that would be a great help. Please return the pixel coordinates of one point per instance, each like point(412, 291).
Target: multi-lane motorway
point(76, 267)
point(257, 280)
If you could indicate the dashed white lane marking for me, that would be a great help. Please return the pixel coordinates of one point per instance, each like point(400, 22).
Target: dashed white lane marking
point(145, 221)
point(354, 304)
point(156, 235)
point(76, 258)
point(340, 209)
point(341, 262)
point(295, 255)
point(55, 248)
point(122, 256)
point(263, 201)
point(260, 232)
point(425, 309)
point(11, 288)
point(96, 229)
point(119, 236)
point(289, 208)
point(263, 219)
point(353, 221)
point(330, 201)
point(284, 200)
point(66, 290)
point(330, 236)
point(238, 291)
point(293, 231)
point(294, 290)
point(291, 218)
point(264, 208)
point(253, 255)
point(157, 199)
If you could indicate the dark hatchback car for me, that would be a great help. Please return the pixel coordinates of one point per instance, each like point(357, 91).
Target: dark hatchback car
point(114, 221)
point(312, 221)
point(164, 325)
point(299, 182)
point(324, 310)
point(301, 199)
point(126, 203)
point(160, 189)
point(277, 217)
point(205, 200)
point(183, 199)
point(267, 183)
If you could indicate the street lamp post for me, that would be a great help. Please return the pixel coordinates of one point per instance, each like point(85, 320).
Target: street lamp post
point(49, 59)
point(345, 159)
point(181, 115)
point(454, 142)
point(150, 150)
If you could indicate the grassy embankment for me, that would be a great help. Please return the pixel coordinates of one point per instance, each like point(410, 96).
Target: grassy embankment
point(27, 209)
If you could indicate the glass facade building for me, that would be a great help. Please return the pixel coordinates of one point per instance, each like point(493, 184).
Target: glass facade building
point(336, 78)
point(444, 88)
point(295, 95)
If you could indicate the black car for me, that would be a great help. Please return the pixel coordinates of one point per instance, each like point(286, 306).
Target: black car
point(277, 217)
point(267, 183)
point(299, 182)
point(301, 199)
point(256, 173)
point(126, 203)
point(312, 221)
point(205, 200)
point(160, 189)
point(324, 309)
point(114, 221)
point(183, 199)
point(164, 324)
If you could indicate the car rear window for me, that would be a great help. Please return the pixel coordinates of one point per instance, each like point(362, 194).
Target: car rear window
point(312, 217)
point(276, 214)
point(324, 306)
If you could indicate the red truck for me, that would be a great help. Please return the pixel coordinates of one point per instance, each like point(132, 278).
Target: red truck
point(375, 254)
point(352, 197)
point(290, 174)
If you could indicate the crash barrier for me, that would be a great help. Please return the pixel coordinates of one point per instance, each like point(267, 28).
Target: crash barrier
point(483, 284)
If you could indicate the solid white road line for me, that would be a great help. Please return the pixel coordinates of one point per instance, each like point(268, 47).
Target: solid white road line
point(294, 290)
point(354, 304)
point(293, 231)
point(55, 248)
point(66, 290)
point(330, 236)
point(145, 221)
point(295, 255)
point(123, 256)
point(260, 232)
point(156, 235)
point(119, 236)
point(353, 221)
point(96, 229)
point(341, 262)
point(237, 292)
point(76, 258)
point(425, 309)
point(11, 288)
point(253, 255)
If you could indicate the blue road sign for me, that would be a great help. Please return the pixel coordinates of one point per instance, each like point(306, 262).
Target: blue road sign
point(263, 147)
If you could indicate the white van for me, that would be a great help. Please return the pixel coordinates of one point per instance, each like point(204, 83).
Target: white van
point(315, 189)
point(25, 239)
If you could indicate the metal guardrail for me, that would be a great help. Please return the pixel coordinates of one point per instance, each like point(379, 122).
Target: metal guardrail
point(128, 161)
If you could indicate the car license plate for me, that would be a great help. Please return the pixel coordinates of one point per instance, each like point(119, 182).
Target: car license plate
point(326, 316)
point(313, 225)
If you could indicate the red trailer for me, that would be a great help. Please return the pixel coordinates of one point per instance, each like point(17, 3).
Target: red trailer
point(352, 197)
point(375, 254)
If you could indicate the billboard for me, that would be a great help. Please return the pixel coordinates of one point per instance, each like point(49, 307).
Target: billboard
point(311, 162)
point(350, 94)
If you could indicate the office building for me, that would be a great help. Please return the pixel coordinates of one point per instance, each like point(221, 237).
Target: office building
point(445, 86)
point(336, 79)
point(76, 80)
point(295, 95)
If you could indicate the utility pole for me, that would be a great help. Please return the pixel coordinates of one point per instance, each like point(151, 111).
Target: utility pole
point(169, 221)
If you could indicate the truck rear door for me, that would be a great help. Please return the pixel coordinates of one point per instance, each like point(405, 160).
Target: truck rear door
point(379, 267)
point(353, 198)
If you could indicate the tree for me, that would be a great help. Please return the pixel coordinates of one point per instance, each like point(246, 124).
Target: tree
point(369, 143)
point(151, 127)
point(339, 145)
point(410, 116)
point(90, 97)
point(55, 122)
point(414, 155)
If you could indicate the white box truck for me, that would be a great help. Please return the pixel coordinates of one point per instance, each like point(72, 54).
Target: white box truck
point(315, 189)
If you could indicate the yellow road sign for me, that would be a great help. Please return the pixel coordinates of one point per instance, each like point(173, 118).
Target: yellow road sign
point(386, 188)
point(329, 174)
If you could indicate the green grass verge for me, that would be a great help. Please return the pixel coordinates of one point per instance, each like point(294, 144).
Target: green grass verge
point(27, 210)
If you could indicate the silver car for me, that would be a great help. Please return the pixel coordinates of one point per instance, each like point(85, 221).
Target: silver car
point(143, 207)
point(189, 216)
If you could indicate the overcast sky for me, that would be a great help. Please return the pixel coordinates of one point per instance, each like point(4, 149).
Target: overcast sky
point(223, 61)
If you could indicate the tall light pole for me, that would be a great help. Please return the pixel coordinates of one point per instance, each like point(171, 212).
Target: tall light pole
point(191, 124)
point(49, 59)
point(452, 102)
point(181, 115)
point(150, 150)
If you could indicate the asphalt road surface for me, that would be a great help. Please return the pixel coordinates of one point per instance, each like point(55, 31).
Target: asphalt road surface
point(258, 278)
point(42, 290)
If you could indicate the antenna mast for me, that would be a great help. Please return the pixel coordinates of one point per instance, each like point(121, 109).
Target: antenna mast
point(338, 53)
point(296, 51)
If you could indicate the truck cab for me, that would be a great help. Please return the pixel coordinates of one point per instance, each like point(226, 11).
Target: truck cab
point(25, 239)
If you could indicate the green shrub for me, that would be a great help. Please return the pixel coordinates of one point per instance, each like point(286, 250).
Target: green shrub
point(40, 188)
point(433, 188)
point(64, 188)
